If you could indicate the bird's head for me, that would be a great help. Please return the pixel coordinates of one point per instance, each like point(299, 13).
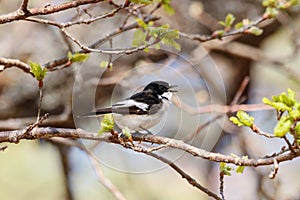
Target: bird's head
point(159, 87)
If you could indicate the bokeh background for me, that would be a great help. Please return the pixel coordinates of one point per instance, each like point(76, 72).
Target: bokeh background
point(207, 73)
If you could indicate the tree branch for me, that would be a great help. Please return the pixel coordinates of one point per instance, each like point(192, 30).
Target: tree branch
point(52, 65)
point(23, 8)
point(8, 62)
point(20, 14)
point(50, 132)
point(205, 38)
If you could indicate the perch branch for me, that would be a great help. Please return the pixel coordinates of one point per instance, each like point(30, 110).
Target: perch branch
point(50, 132)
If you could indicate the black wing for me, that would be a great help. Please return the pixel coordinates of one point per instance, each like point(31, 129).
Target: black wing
point(147, 98)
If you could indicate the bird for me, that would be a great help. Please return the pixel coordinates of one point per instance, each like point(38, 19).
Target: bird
point(142, 110)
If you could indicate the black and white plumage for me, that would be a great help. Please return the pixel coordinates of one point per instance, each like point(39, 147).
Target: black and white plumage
point(142, 110)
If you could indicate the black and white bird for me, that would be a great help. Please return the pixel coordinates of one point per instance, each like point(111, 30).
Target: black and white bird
point(142, 110)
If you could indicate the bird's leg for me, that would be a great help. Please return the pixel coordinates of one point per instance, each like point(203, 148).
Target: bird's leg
point(123, 138)
point(148, 132)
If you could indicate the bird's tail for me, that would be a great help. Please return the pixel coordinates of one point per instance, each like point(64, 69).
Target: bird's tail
point(100, 112)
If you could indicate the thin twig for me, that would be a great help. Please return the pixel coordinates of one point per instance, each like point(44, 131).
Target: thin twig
point(289, 144)
point(274, 170)
point(110, 55)
point(102, 179)
point(240, 91)
point(221, 188)
point(158, 5)
point(125, 21)
point(40, 103)
point(62, 120)
point(53, 65)
point(105, 181)
point(128, 50)
point(255, 129)
point(65, 164)
point(204, 38)
point(3, 148)
point(78, 22)
point(36, 124)
point(156, 148)
point(183, 174)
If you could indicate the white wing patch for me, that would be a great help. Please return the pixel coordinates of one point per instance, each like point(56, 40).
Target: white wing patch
point(130, 102)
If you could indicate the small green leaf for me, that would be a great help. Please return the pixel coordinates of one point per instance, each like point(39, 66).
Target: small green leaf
point(106, 64)
point(107, 124)
point(240, 169)
point(78, 57)
point(245, 118)
point(294, 2)
point(287, 4)
point(291, 94)
point(168, 9)
point(236, 121)
point(151, 23)
point(139, 38)
point(269, 3)
point(225, 168)
point(277, 105)
point(38, 72)
point(135, 1)
point(166, 26)
point(242, 119)
point(141, 22)
point(229, 20)
point(283, 98)
point(255, 30)
point(127, 133)
point(157, 46)
point(283, 101)
point(297, 129)
point(165, 35)
point(238, 25)
point(246, 22)
point(171, 42)
point(271, 12)
point(283, 126)
point(142, 1)
point(222, 23)
point(295, 114)
point(218, 33)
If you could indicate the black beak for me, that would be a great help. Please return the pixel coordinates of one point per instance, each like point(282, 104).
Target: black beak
point(172, 86)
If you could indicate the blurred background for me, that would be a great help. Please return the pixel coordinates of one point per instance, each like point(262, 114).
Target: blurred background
point(208, 73)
